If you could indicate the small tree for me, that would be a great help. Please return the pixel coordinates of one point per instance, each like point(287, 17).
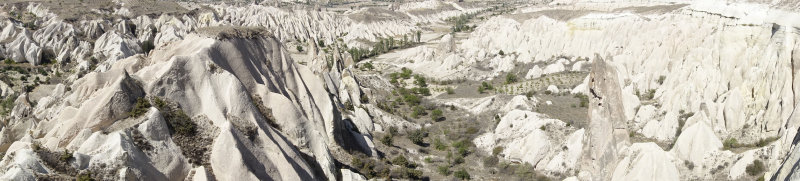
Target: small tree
point(501, 53)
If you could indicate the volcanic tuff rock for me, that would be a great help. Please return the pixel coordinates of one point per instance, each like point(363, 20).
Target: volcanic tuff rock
point(573, 90)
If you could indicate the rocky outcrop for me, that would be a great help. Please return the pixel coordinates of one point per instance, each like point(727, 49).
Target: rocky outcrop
point(606, 130)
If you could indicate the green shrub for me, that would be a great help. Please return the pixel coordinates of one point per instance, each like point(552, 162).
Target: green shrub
point(299, 48)
point(417, 111)
point(401, 161)
point(511, 78)
point(84, 177)
point(661, 79)
point(416, 136)
point(66, 156)
point(450, 90)
point(437, 114)
point(439, 145)
point(349, 106)
point(462, 174)
point(140, 107)
point(420, 81)
point(730, 143)
point(412, 100)
point(487, 86)
point(411, 173)
point(387, 140)
point(497, 150)
point(443, 170)
point(490, 161)
point(8, 61)
point(501, 53)
point(405, 73)
point(428, 160)
point(368, 66)
point(177, 120)
point(462, 147)
point(481, 90)
point(755, 168)
point(458, 159)
point(392, 130)
point(364, 99)
point(584, 100)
